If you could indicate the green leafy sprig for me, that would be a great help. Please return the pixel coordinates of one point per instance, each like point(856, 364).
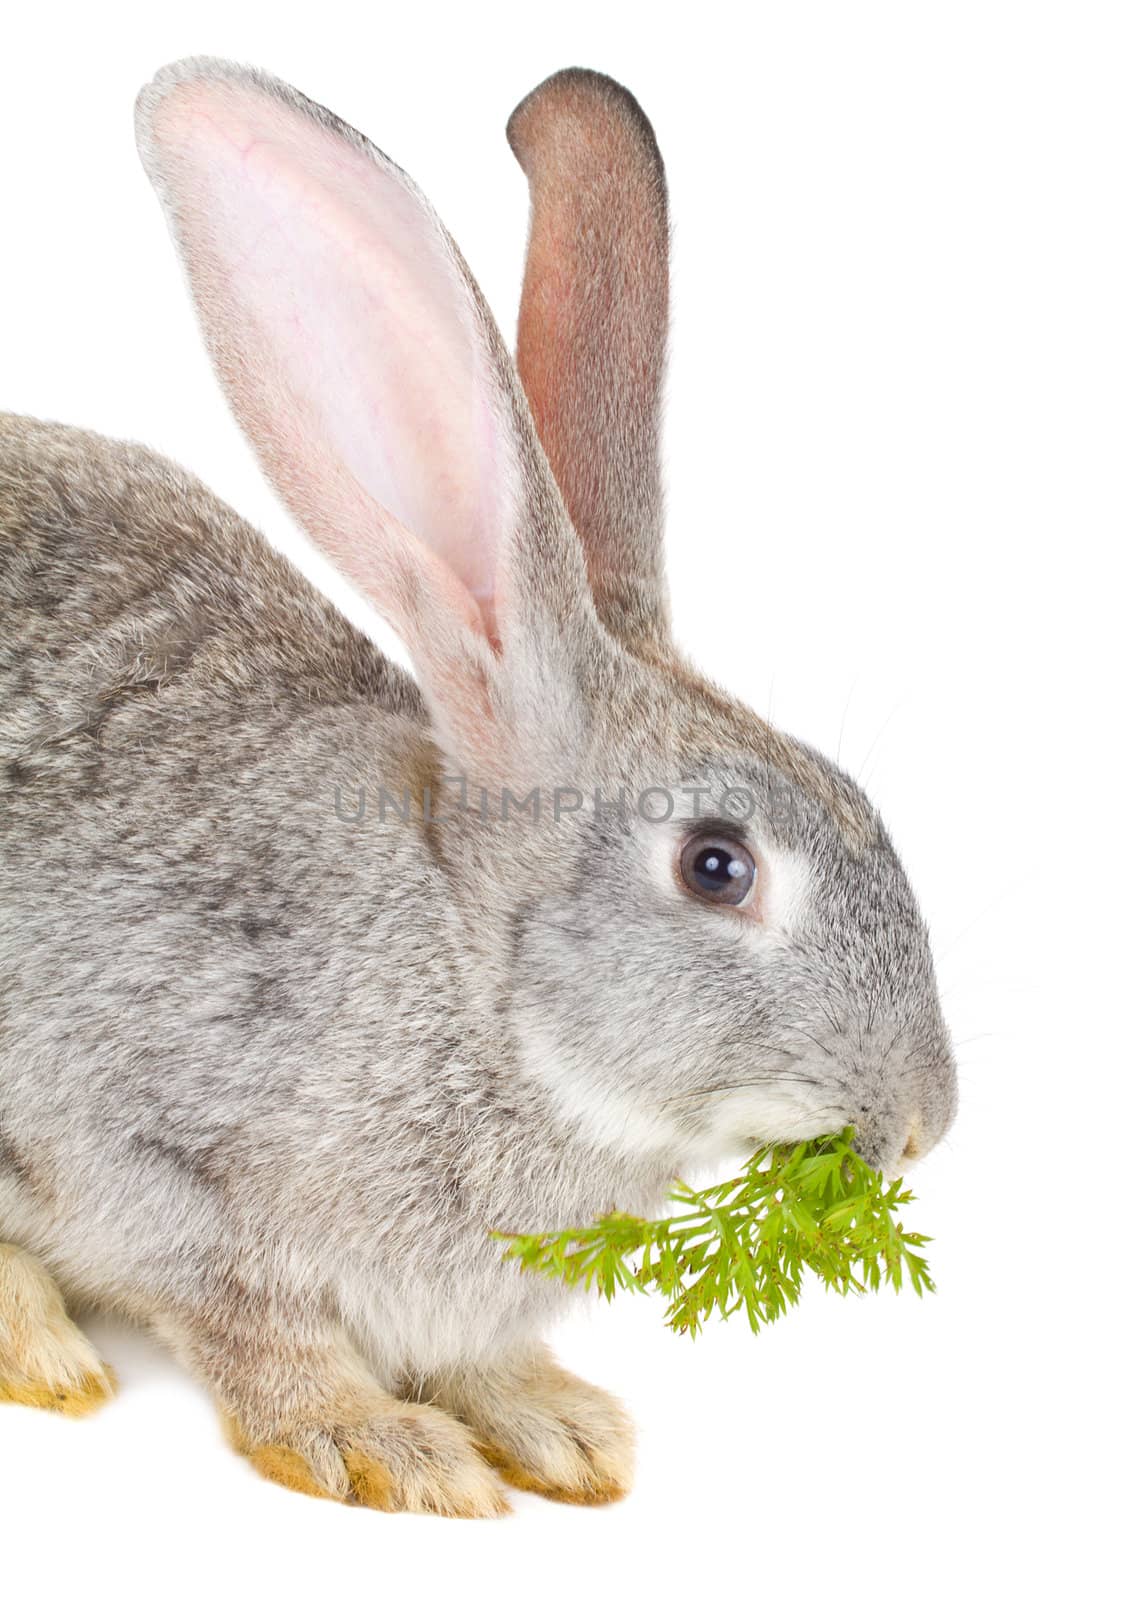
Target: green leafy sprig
point(747, 1243)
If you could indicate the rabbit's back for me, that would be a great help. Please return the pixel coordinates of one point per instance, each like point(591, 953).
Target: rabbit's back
point(122, 578)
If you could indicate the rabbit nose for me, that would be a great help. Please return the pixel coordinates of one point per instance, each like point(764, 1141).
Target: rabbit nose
point(887, 1146)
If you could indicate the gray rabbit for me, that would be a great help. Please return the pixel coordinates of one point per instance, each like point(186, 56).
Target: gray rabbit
point(312, 974)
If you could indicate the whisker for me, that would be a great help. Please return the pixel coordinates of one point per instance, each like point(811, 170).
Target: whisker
point(845, 713)
point(816, 1042)
point(743, 1083)
point(897, 1036)
point(883, 729)
point(830, 1015)
point(938, 956)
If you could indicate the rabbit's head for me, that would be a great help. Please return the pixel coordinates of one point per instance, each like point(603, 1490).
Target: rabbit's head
point(703, 933)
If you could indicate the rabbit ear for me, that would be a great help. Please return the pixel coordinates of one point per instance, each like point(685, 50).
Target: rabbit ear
point(363, 364)
point(592, 331)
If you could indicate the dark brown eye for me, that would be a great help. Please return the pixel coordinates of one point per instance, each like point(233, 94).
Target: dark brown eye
point(717, 869)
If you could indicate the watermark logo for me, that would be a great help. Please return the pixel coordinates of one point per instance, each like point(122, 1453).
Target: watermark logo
point(656, 803)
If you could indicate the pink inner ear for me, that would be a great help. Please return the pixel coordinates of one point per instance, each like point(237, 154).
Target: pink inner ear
point(346, 334)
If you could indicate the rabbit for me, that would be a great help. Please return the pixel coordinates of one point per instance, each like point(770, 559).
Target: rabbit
point(315, 973)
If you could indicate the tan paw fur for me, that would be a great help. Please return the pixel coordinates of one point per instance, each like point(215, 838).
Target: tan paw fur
point(45, 1360)
point(544, 1430)
point(402, 1457)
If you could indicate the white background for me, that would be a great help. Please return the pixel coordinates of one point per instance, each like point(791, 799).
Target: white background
point(892, 455)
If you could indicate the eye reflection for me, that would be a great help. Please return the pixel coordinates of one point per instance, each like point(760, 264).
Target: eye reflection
point(717, 869)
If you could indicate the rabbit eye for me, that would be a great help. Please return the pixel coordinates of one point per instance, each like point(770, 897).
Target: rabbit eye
point(719, 870)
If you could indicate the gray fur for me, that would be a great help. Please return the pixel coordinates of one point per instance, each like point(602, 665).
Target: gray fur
point(261, 1067)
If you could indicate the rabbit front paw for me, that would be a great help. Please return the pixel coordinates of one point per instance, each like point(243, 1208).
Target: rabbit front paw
point(301, 1406)
point(400, 1457)
point(543, 1429)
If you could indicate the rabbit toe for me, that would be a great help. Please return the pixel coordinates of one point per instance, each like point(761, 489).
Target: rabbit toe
point(408, 1458)
point(45, 1360)
point(421, 1460)
point(557, 1458)
point(544, 1430)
